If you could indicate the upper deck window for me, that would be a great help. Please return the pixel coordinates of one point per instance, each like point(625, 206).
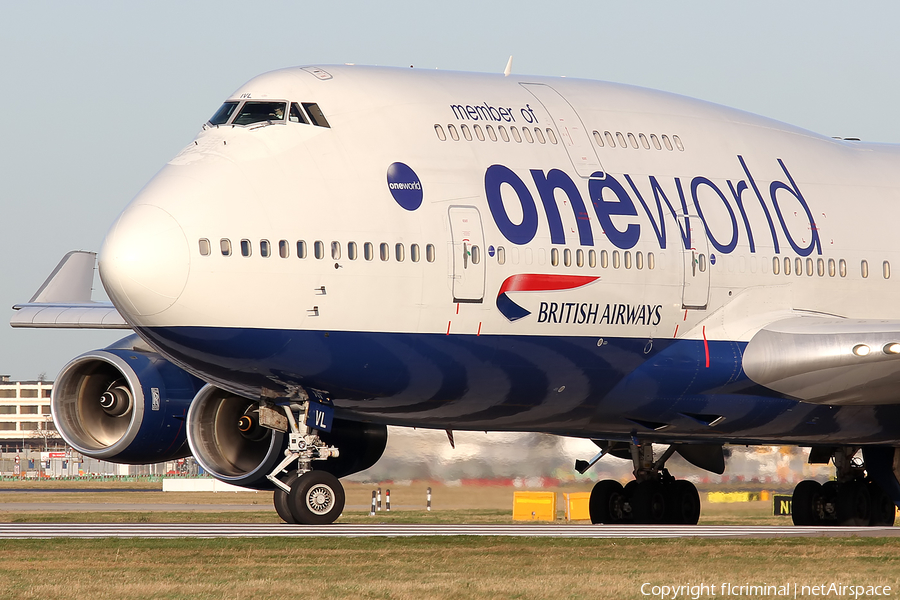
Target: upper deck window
point(258, 112)
point(223, 114)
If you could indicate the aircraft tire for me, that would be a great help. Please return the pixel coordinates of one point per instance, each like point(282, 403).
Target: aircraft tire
point(316, 498)
point(280, 500)
point(807, 504)
point(607, 503)
point(854, 504)
point(883, 511)
point(683, 503)
point(648, 505)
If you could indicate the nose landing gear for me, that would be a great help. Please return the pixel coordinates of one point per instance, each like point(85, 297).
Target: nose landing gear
point(304, 496)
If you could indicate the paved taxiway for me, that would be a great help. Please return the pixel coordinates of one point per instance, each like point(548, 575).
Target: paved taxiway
point(231, 530)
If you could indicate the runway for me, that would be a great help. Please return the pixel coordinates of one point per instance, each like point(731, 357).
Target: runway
point(231, 530)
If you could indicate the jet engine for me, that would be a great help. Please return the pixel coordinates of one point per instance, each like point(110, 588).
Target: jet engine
point(227, 440)
point(124, 405)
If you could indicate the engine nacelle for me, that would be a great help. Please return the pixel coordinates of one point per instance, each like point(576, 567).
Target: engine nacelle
point(226, 440)
point(123, 405)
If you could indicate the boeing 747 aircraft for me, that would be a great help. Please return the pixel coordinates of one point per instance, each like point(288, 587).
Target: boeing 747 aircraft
point(343, 248)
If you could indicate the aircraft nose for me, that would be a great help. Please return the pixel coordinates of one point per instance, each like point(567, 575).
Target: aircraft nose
point(144, 261)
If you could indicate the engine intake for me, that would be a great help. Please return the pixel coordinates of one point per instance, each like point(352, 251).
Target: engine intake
point(123, 405)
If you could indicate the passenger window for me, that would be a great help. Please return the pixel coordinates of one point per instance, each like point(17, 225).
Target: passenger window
point(886, 269)
point(540, 135)
point(633, 141)
point(655, 141)
point(644, 141)
point(223, 114)
point(351, 251)
point(598, 138)
point(414, 252)
point(551, 136)
point(399, 252)
point(798, 266)
point(297, 115)
point(611, 142)
point(843, 267)
point(864, 268)
point(440, 133)
point(204, 247)
point(678, 143)
point(284, 248)
point(776, 265)
point(515, 134)
point(490, 132)
point(579, 257)
point(592, 259)
point(225, 245)
point(245, 248)
point(265, 249)
point(831, 270)
point(820, 267)
point(616, 260)
point(604, 259)
point(429, 253)
point(702, 263)
point(809, 267)
point(651, 261)
point(476, 255)
point(260, 112)
point(453, 134)
point(478, 132)
point(621, 139)
point(567, 257)
point(319, 249)
point(301, 249)
point(554, 257)
point(639, 260)
point(667, 143)
point(385, 251)
point(466, 133)
point(315, 113)
point(787, 266)
point(503, 135)
point(368, 251)
point(627, 259)
point(335, 250)
point(501, 255)
point(527, 133)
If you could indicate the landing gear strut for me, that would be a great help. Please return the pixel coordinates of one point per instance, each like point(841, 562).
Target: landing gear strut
point(654, 497)
point(304, 496)
point(854, 499)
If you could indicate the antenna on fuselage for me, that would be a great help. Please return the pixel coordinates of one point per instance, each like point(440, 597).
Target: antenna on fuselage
point(508, 68)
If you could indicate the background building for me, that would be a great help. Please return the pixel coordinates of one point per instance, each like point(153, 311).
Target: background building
point(25, 420)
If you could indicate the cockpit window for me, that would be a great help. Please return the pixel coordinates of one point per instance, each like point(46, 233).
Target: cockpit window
point(297, 114)
point(257, 112)
point(315, 113)
point(223, 114)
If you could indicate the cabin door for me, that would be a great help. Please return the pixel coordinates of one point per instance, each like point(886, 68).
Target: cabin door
point(468, 254)
point(695, 293)
point(569, 129)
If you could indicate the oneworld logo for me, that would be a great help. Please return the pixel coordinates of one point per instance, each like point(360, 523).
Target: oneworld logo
point(404, 186)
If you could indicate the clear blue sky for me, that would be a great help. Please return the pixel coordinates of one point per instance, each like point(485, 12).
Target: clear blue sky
point(96, 96)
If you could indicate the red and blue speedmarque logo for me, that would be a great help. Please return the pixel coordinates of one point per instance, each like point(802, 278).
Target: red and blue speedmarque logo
point(534, 282)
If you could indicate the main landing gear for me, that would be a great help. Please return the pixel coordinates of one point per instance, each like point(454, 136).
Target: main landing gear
point(853, 499)
point(304, 496)
point(654, 497)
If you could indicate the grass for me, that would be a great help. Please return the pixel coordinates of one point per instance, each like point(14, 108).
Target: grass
point(421, 568)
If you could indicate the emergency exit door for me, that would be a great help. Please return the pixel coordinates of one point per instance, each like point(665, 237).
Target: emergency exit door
point(468, 254)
